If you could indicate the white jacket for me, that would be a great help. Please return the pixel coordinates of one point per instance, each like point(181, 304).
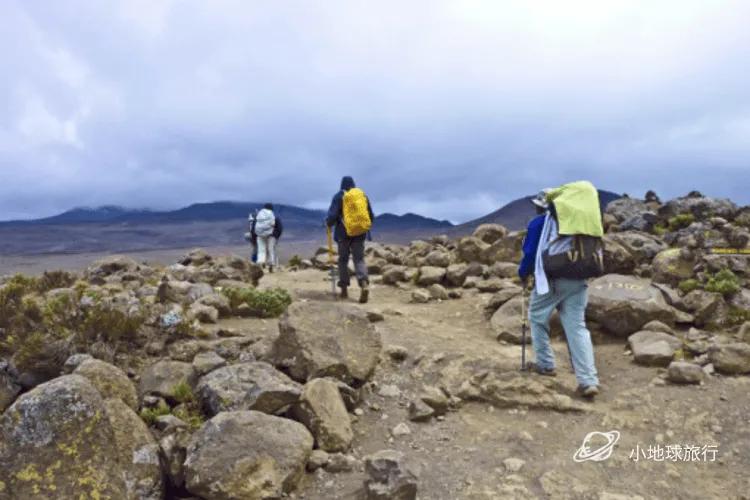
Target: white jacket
point(264, 223)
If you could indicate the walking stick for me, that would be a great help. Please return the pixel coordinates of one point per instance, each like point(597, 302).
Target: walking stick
point(331, 262)
point(524, 326)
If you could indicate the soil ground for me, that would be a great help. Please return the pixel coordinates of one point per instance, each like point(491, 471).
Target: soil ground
point(462, 456)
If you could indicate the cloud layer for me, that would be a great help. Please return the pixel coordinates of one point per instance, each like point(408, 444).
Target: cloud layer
point(445, 108)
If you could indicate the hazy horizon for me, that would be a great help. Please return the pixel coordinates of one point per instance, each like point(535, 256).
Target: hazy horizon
point(445, 109)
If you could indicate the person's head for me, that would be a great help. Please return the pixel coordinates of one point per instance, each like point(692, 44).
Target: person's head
point(540, 202)
point(347, 182)
point(268, 206)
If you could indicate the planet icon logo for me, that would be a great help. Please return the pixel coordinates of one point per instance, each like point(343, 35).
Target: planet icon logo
point(604, 442)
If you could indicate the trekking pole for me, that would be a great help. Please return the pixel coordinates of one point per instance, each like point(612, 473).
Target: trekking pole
point(524, 325)
point(331, 260)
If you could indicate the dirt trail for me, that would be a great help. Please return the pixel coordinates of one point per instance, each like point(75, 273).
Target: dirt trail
point(463, 455)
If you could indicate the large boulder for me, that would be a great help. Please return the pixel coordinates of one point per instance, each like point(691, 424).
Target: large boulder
point(393, 275)
point(136, 450)
point(109, 380)
point(323, 412)
point(708, 308)
point(626, 208)
point(63, 440)
point(246, 454)
point(323, 339)
point(38, 364)
point(163, 379)
point(506, 249)
point(623, 304)
point(438, 258)
point(490, 233)
point(247, 386)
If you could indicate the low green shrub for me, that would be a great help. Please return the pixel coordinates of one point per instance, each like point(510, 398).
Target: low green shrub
point(268, 303)
point(295, 261)
point(688, 285)
point(183, 393)
point(109, 324)
point(724, 282)
point(149, 415)
point(680, 221)
point(191, 415)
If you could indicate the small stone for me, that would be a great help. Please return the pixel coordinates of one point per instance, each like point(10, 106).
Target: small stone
point(389, 391)
point(359, 412)
point(375, 316)
point(513, 464)
point(681, 372)
point(317, 460)
point(420, 296)
point(401, 430)
point(397, 353)
point(419, 411)
point(340, 462)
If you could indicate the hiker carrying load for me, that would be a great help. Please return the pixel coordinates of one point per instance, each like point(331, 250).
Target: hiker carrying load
point(561, 250)
point(265, 225)
point(351, 214)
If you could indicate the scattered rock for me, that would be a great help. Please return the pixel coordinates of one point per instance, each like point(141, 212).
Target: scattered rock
point(375, 316)
point(321, 339)
point(438, 292)
point(397, 353)
point(74, 361)
point(430, 275)
point(419, 411)
point(681, 372)
point(247, 386)
point(401, 430)
point(246, 454)
point(318, 459)
point(420, 296)
point(203, 313)
point(340, 462)
point(389, 391)
point(163, 377)
point(507, 321)
point(389, 477)
point(732, 359)
point(322, 411)
point(208, 361)
point(490, 233)
point(513, 465)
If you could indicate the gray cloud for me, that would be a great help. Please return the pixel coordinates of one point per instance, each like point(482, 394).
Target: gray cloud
point(444, 108)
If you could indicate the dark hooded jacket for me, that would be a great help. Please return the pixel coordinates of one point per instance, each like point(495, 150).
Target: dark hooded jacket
point(335, 212)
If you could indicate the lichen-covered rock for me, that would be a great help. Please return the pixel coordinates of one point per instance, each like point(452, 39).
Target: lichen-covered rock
point(247, 386)
point(136, 450)
point(59, 441)
point(323, 339)
point(109, 380)
point(670, 266)
point(246, 454)
point(323, 412)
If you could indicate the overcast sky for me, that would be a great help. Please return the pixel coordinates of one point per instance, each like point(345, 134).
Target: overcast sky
point(445, 108)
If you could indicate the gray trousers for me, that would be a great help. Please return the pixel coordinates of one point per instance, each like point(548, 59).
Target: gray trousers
point(356, 248)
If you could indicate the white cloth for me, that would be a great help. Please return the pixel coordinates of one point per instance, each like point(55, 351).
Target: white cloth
point(267, 250)
point(264, 222)
point(549, 233)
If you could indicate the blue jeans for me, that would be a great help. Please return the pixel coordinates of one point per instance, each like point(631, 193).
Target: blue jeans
point(571, 297)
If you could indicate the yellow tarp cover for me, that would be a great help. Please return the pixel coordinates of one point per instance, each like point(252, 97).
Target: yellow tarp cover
point(577, 206)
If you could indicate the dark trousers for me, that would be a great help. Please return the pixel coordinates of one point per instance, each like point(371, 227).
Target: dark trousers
point(356, 248)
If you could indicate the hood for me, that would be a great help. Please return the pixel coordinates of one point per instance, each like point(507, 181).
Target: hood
point(347, 183)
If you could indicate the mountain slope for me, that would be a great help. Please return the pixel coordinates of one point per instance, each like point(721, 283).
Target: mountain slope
point(516, 214)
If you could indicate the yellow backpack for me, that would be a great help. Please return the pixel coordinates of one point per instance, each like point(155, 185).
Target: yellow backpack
point(356, 215)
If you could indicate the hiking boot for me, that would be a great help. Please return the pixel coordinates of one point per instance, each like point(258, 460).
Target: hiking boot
point(364, 293)
point(547, 372)
point(344, 293)
point(270, 269)
point(587, 391)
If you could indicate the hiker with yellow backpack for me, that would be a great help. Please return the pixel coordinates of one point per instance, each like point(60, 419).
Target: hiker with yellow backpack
point(562, 249)
point(351, 217)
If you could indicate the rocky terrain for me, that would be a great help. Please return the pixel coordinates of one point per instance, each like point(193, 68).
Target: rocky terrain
point(208, 379)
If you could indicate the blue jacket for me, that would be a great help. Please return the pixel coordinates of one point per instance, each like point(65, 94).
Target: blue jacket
point(335, 212)
point(530, 245)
